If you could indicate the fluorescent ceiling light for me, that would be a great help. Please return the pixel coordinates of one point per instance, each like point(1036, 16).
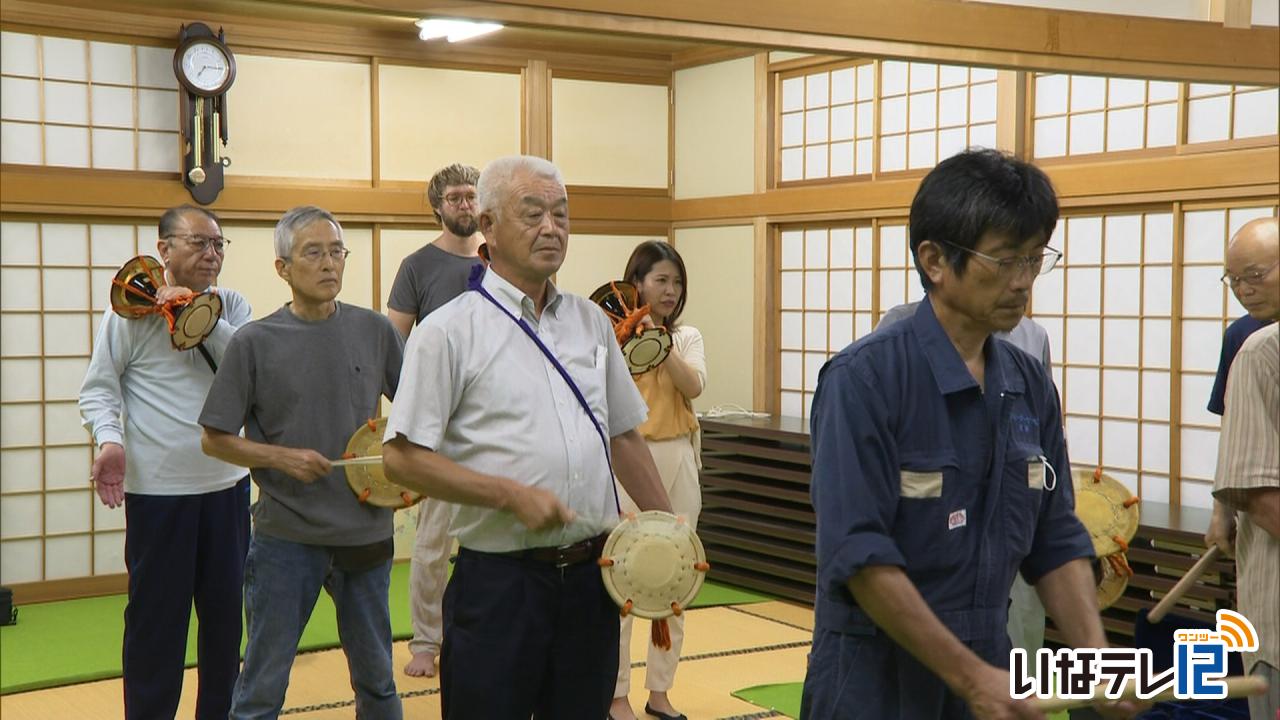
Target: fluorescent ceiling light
point(454, 30)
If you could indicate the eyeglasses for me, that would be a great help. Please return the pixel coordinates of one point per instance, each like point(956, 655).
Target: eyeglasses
point(316, 255)
point(1254, 278)
point(201, 243)
point(1007, 267)
point(458, 199)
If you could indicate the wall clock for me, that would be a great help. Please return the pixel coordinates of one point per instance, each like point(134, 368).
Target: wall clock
point(205, 68)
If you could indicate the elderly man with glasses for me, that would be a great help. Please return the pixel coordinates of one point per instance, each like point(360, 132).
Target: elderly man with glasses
point(301, 381)
point(186, 515)
point(940, 471)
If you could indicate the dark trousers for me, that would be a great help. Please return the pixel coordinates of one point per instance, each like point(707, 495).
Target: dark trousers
point(524, 638)
point(180, 549)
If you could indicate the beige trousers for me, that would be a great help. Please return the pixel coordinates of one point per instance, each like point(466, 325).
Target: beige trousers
point(678, 466)
point(428, 573)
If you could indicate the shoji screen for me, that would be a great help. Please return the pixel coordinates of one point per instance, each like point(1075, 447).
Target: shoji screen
point(930, 112)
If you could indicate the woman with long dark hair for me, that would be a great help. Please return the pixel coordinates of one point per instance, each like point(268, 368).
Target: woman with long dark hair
point(671, 431)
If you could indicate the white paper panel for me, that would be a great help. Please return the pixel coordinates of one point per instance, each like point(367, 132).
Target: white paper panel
point(1162, 125)
point(1051, 95)
point(815, 161)
point(862, 157)
point(19, 516)
point(1160, 90)
point(983, 135)
point(66, 146)
point(792, 94)
point(1237, 217)
point(1155, 488)
point(862, 324)
point(19, 99)
point(862, 290)
point(1082, 439)
point(1123, 238)
point(1127, 479)
point(1084, 291)
point(66, 289)
point(792, 331)
point(952, 75)
point(1081, 391)
point(1203, 236)
point(813, 362)
point(1120, 342)
point(110, 63)
point(815, 248)
point(155, 68)
point(66, 334)
point(893, 246)
point(100, 295)
point(112, 106)
point(1208, 119)
point(792, 129)
point(793, 164)
point(982, 74)
point(982, 103)
point(66, 103)
point(20, 470)
point(790, 372)
point(893, 115)
point(1159, 238)
point(842, 247)
point(815, 289)
point(816, 89)
point(815, 124)
point(1202, 291)
point(951, 141)
point(1234, 308)
point(1155, 343)
point(922, 111)
point(68, 557)
point(1086, 134)
point(924, 76)
point(1088, 93)
point(1195, 399)
point(792, 249)
point(67, 468)
point(921, 150)
point(157, 110)
point(65, 244)
point(20, 334)
point(1256, 114)
point(105, 518)
point(112, 245)
point(63, 376)
point(1157, 291)
point(866, 81)
point(1119, 291)
point(1052, 327)
point(20, 244)
point(866, 119)
point(840, 332)
point(841, 290)
point(158, 151)
point(791, 404)
point(1126, 91)
point(1120, 393)
point(19, 561)
point(62, 424)
point(18, 54)
point(808, 405)
point(953, 107)
point(893, 77)
point(1047, 298)
point(20, 143)
point(1120, 444)
point(1084, 241)
point(1124, 129)
point(864, 246)
point(108, 552)
point(1155, 447)
point(843, 86)
point(915, 291)
point(65, 59)
point(1199, 453)
point(842, 122)
point(1201, 344)
point(893, 288)
point(20, 288)
point(1197, 494)
point(792, 290)
point(113, 149)
point(815, 331)
point(19, 379)
point(893, 153)
point(1082, 340)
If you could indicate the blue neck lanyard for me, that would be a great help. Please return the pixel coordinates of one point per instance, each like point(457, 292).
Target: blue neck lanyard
point(474, 283)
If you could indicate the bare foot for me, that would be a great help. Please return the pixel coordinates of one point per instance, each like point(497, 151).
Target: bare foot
point(422, 665)
point(620, 709)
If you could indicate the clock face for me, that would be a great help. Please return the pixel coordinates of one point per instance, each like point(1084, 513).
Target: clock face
point(205, 66)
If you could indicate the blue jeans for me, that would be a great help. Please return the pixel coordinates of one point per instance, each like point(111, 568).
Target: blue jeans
point(282, 581)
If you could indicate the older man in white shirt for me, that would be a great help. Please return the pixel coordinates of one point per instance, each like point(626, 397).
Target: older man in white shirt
point(515, 403)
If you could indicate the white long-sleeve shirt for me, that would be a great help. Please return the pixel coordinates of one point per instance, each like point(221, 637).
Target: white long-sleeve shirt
point(143, 394)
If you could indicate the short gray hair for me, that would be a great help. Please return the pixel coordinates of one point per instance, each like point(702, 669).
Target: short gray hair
point(295, 220)
point(495, 181)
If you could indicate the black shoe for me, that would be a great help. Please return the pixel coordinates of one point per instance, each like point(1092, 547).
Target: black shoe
point(648, 709)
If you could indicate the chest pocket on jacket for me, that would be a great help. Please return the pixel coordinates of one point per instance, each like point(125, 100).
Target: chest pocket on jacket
point(931, 524)
point(1022, 492)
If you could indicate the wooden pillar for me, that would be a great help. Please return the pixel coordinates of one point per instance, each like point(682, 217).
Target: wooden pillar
point(535, 109)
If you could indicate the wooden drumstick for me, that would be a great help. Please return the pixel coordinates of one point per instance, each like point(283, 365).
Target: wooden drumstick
point(1238, 686)
point(1163, 607)
point(368, 460)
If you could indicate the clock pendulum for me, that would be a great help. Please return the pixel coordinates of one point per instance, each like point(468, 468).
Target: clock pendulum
point(205, 68)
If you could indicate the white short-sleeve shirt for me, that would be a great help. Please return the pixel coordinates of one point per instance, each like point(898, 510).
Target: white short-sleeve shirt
point(477, 390)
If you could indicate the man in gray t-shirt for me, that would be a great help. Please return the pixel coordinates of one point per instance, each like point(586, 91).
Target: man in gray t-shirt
point(301, 381)
point(429, 278)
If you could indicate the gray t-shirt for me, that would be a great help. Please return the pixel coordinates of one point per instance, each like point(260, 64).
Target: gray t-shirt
point(1027, 336)
point(308, 384)
point(427, 279)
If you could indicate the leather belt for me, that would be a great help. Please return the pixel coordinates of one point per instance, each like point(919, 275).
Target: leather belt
point(564, 555)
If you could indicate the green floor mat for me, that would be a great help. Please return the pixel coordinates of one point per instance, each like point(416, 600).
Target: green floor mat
point(73, 641)
point(785, 698)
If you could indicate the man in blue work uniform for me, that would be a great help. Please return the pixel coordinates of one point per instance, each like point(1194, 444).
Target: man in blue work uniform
point(940, 471)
